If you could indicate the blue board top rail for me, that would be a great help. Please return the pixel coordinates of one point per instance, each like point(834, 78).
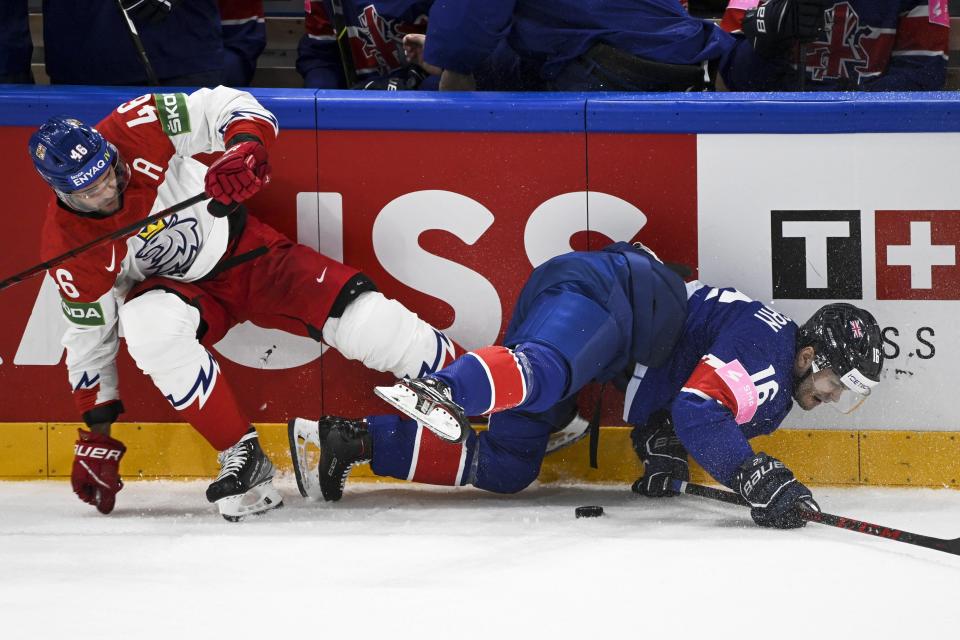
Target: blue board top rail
point(742, 113)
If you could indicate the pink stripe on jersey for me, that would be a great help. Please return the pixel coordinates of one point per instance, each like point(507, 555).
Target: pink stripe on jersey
point(743, 4)
point(744, 391)
point(508, 388)
point(939, 13)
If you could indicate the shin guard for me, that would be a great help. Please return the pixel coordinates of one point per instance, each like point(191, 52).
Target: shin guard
point(160, 331)
point(386, 336)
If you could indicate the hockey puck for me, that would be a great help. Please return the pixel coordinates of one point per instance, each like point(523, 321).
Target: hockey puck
point(589, 511)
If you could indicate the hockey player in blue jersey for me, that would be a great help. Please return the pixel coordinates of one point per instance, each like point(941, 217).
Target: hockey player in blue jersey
point(726, 368)
point(576, 45)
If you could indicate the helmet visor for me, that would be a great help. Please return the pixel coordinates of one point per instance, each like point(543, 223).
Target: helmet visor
point(104, 194)
point(846, 392)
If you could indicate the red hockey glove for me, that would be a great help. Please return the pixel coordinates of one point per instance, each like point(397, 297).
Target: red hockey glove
point(96, 469)
point(239, 173)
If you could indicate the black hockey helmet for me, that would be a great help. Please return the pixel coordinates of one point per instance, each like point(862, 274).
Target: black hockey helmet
point(845, 339)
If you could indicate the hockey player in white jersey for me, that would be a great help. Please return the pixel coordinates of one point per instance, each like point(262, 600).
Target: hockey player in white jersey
point(177, 286)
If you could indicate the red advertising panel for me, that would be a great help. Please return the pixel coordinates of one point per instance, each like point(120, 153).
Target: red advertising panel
point(917, 255)
point(451, 212)
point(450, 223)
point(656, 174)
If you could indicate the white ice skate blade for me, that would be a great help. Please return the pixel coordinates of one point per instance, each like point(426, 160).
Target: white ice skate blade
point(260, 498)
point(437, 419)
point(304, 438)
point(575, 431)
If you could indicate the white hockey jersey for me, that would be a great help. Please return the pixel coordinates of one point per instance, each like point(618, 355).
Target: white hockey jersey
point(157, 135)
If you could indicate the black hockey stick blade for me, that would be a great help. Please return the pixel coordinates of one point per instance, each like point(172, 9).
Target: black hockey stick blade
point(841, 522)
point(119, 233)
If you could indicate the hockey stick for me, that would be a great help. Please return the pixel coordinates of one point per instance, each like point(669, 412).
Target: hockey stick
point(119, 233)
point(339, 20)
point(841, 522)
point(138, 45)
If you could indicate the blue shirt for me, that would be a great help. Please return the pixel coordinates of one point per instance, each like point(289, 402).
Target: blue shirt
point(462, 34)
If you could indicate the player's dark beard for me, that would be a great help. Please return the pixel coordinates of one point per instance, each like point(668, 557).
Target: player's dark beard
point(798, 381)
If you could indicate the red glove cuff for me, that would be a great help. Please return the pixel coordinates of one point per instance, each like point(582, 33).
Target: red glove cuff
point(259, 129)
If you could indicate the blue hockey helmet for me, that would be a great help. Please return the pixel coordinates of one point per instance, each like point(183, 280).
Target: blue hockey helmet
point(73, 157)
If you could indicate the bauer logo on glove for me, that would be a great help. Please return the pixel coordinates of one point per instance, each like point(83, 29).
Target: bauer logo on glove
point(95, 476)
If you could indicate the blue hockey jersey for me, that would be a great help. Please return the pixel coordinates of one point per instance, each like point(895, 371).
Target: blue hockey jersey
point(866, 45)
point(729, 378)
point(548, 34)
point(89, 43)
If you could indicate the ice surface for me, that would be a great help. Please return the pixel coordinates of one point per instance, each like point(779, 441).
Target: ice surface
point(398, 561)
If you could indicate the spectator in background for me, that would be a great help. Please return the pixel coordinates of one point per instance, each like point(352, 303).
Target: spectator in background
point(89, 42)
point(370, 50)
point(15, 45)
point(244, 39)
point(573, 45)
point(852, 45)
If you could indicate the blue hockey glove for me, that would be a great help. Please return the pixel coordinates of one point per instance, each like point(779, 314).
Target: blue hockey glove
point(773, 492)
point(664, 458)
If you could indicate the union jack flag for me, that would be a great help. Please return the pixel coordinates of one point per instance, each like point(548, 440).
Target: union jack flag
point(856, 329)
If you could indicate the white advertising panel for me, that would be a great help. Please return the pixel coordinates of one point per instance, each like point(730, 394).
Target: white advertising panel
point(798, 221)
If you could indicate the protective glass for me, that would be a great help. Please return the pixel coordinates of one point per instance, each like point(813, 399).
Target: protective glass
point(103, 193)
point(846, 392)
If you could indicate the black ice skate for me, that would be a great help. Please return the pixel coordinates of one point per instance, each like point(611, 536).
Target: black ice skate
point(430, 402)
point(245, 483)
point(342, 443)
